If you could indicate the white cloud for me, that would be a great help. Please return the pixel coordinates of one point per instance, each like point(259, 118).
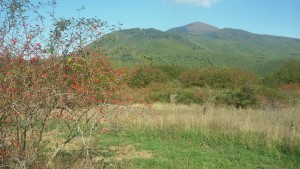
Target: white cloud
point(205, 3)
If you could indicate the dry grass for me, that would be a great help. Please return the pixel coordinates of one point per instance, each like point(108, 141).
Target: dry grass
point(274, 124)
point(265, 127)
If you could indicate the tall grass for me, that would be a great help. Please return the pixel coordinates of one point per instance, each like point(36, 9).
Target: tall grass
point(269, 128)
point(190, 136)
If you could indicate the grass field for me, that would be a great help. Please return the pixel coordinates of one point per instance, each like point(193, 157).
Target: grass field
point(194, 136)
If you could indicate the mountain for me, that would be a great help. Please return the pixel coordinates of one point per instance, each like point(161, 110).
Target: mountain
point(195, 28)
point(199, 45)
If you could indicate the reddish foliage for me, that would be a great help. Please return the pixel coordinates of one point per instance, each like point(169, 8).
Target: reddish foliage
point(55, 81)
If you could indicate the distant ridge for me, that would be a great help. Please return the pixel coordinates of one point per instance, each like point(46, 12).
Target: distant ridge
point(199, 45)
point(195, 28)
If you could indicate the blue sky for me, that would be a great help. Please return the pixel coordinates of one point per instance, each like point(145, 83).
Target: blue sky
point(274, 17)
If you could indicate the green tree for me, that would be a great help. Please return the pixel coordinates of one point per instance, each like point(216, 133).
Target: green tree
point(288, 73)
point(240, 98)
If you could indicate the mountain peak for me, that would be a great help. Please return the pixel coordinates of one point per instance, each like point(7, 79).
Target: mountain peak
point(195, 28)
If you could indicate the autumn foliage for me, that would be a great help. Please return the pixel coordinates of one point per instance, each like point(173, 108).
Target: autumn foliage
point(51, 80)
point(217, 77)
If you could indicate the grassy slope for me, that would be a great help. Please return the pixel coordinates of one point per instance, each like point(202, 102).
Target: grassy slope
point(226, 47)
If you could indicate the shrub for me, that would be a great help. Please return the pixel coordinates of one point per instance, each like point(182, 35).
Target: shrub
point(163, 97)
point(172, 71)
point(240, 98)
point(217, 78)
point(288, 73)
point(189, 96)
point(50, 80)
point(142, 76)
point(192, 77)
point(184, 96)
point(271, 93)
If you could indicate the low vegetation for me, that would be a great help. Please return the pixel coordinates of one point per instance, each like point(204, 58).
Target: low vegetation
point(227, 86)
point(193, 136)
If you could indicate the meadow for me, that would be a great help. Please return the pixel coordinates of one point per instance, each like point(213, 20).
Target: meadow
point(193, 136)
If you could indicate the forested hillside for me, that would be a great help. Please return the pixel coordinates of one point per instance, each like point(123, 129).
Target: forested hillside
point(207, 47)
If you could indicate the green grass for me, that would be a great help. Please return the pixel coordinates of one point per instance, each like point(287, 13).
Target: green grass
point(177, 148)
point(182, 136)
point(186, 136)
